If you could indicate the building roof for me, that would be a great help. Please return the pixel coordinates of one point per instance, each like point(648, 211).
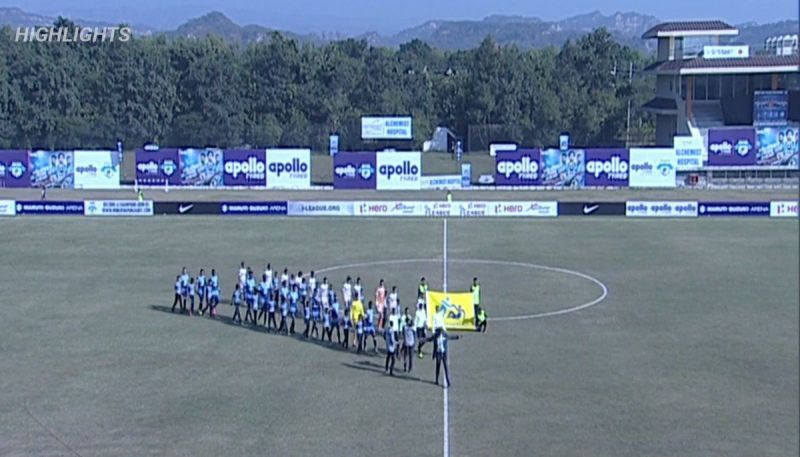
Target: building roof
point(690, 28)
point(768, 63)
point(661, 104)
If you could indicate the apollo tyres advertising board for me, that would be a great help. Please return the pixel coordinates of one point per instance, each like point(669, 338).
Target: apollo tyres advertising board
point(288, 168)
point(652, 167)
point(398, 170)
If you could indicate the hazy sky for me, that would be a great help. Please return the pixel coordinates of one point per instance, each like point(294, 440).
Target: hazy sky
point(357, 16)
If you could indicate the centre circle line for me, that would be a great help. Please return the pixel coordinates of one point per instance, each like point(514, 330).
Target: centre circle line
point(559, 312)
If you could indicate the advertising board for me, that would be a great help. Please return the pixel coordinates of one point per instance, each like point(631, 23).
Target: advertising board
point(242, 167)
point(118, 208)
point(607, 168)
point(354, 170)
point(14, 169)
point(320, 208)
point(523, 208)
point(8, 208)
point(50, 208)
point(97, 169)
point(200, 167)
point(591, 208)
point(777, 146)
point(661, 209)
point(652, 167)
point(386, 128)
point(733, 209)
point(440, 182)
point(186, 208)
point(276, 208)
point(783, 209)
point(158, 167)
point(690, 153)
point(52, 169)
point(389, 208)
point(517, 168)
point(288, 168)
point(441, 209)
point(563, 168)
point(770, 107)
point(398, 170)
point(732, 146)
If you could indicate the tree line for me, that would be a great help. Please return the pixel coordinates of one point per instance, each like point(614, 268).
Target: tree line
point(278, 92)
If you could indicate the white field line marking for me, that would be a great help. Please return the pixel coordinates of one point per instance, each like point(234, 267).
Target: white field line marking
point(445, 401)
point(559, 312)
point(446, 450)
point(444, 256)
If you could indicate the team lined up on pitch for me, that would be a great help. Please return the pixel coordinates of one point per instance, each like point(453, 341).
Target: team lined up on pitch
point(288, 295)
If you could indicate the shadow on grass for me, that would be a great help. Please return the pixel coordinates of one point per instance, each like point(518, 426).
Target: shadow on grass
point(363, 365)
point(298, 335)
point(366, 365)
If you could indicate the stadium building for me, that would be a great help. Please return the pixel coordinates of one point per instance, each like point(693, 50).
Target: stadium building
point(741, 106)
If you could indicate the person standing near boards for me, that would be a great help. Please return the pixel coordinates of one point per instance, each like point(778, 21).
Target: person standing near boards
point(380, 303)
point(346, 325)
point(213, 299)
point(201, 291)
point(409, 332)
point(391, 347)
point(481, 318)
point(440, 339)
point(420, 322)
point(236, 302)
point(242, 275)
point(190, 296)
point(178, 289)
point(476, 299)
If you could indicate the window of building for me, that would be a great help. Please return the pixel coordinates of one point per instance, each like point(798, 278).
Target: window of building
point(713, 87)
point(789, 81)
point(741, 86)
point(727, 86)
point(700, 87)
point(762, 82)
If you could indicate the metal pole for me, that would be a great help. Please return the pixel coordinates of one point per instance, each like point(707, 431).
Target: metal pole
point(628, 121)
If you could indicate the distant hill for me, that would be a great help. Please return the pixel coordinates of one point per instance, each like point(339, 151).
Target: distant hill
point(16, 17)
point(755, 34)
point(217, 24)
point(525, 32)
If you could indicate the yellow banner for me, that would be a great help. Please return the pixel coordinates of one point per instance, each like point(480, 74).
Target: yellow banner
point(457, 308)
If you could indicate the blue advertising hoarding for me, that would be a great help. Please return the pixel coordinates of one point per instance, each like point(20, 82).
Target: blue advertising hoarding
point(749, 209)
point(563, 168)
point(276, 208)
point(158, 167)
point(777, 146)
point(201, 167)
point(14, 169)
point(732, 146)
point(50, 208)
point(354, 170)
point(52, 169)
point(466, 174)
point(517, 168)
point(607, 167)
point(770, 107)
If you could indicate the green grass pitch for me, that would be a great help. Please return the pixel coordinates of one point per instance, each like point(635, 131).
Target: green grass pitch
point(692, 353)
